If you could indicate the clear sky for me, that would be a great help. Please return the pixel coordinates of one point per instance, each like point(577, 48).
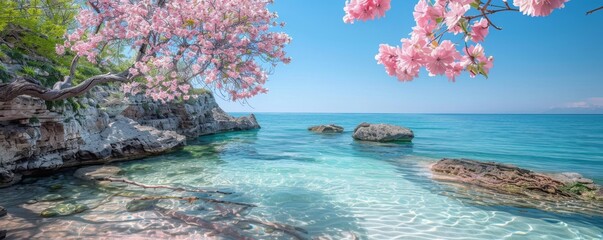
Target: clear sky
point(547, 64)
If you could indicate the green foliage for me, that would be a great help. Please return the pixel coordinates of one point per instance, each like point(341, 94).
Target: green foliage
point(42, 23)
point(34, 120)
point(52, 104)
point(75, 105)
point(29, 71)
point(576, 188)
point(4, 75)
point(14, 54)
point(199, 91)
point(145, 106)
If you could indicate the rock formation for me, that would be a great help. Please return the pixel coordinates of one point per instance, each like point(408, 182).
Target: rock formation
point(517, 181)
point(330, 128)
point(36, 136)
point(382, 133)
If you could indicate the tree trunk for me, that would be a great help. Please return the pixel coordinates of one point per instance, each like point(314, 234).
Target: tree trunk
point(22, 86)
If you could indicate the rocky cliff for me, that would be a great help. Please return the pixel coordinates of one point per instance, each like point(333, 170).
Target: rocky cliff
point(36, 136)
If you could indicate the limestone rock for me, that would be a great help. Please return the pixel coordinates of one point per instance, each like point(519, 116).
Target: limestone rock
point(382, 133)
point(192, 118)
point(330, 128)
point(36, 137)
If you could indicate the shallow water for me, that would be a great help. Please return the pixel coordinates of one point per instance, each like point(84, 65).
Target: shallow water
point(333, 186)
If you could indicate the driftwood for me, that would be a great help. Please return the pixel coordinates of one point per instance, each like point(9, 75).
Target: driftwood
point(178, 189)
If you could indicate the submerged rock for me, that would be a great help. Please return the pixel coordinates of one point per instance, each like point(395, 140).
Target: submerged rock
point(92, 173)
point(513, 180)
point(64, 209)
point(8, 178)
point(140, 205)
point(3, 211)
point(51, 198)
point(382, 133)
point(330, 128)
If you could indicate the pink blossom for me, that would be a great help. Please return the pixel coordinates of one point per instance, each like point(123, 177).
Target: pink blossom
point(457, 10)
point(388, 56)
point(479, 30)
point(365, 9)
point(441, 58)
point(537, 8)
point(195, 32)
point(60, 49)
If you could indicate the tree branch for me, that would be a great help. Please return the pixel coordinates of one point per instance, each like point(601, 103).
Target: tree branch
point(24, 86)
point(594, 10)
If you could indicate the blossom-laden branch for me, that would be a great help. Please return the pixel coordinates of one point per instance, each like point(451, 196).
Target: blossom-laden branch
point(224, 45)
point(427, 47)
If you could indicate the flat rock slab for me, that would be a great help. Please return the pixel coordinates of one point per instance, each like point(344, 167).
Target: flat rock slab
point(330, 128)
point(513, 180)
point(382, 133)
point(92, 173)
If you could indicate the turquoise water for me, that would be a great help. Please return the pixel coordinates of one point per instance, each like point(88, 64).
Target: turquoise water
point(338, 188)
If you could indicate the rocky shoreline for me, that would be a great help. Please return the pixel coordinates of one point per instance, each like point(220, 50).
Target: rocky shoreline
point(37, 137)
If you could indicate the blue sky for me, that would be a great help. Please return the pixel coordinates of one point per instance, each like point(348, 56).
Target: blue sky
point(549, 64)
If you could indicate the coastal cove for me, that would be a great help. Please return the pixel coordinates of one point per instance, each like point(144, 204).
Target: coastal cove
point(331, 185)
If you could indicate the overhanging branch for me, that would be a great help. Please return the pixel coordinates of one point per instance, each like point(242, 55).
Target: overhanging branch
point(22, 86)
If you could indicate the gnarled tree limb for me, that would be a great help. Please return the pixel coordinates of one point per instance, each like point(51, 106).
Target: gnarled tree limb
point(23, 86)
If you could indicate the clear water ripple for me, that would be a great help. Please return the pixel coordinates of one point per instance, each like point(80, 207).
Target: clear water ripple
point(337, 188)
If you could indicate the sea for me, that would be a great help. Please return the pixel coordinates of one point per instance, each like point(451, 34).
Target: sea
point(330, 186)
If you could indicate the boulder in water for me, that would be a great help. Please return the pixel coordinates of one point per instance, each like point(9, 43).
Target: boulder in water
point(513, 180)
point(382, 133)
point(330, 128)
point(64, 209)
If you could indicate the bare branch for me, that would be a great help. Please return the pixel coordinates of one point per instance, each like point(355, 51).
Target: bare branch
point(594, 10)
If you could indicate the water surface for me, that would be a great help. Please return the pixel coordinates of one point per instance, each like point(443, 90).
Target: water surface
point(335, 187)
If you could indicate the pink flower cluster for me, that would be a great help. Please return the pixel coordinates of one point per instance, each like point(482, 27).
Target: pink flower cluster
point(365, 9)
point(217, 44)
point(538, 7)
point(426, 47)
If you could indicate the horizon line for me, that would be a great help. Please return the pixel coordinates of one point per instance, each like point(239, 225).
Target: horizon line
point(426, 113)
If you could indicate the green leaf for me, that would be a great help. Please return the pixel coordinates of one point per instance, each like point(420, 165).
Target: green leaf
point(475, 4)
